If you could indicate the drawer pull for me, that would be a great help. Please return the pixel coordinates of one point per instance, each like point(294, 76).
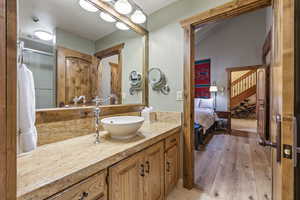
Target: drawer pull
point(142, 173)
point(168, 166)
point(84, 195)
point(147, 167)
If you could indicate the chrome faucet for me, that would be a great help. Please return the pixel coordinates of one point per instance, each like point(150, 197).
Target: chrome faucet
point(77, 99)
point(97, 119)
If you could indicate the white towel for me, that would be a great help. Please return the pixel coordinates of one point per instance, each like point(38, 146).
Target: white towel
point(27, 134)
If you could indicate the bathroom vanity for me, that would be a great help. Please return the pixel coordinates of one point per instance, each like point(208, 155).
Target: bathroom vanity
point(144, 167)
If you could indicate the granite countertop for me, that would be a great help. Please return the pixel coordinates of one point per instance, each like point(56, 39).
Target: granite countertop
point(53, 167)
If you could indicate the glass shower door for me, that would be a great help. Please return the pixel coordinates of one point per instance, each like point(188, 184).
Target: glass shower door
point(42, 66)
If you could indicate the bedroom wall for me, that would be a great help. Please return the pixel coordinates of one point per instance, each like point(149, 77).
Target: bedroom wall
point(232, 43)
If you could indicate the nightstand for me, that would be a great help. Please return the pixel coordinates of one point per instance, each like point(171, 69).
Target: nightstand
point(224, 117)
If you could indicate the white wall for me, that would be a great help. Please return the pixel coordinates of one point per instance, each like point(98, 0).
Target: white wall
point(132, 59)
point(234, 43)
point(166, 47)
point(71, 41)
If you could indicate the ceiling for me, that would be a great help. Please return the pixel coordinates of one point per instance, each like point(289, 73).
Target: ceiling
point(69, 16)
point(150, 6)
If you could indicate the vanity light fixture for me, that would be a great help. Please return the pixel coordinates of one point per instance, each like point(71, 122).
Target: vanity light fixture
point(138, 17)
point(43, 35)
point(122, 26)
point(87, 6)
point(107, 17)
point(123, 7)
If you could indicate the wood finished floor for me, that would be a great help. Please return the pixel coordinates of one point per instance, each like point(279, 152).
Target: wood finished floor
point(232, 167)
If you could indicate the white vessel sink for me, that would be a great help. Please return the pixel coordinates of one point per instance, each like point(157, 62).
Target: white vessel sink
point(122, 127)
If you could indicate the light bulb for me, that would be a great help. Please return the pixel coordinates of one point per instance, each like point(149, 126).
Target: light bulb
point(138, 17)
point(107, 17)
point(87, 6)
point(123, 7)
point(122, 26)
point(43, 35)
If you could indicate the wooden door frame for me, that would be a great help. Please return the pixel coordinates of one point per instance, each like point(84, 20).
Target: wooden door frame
point(228, 10)
point(234, 69)
point(113, 51)
point(8, 93)
point(119, 66)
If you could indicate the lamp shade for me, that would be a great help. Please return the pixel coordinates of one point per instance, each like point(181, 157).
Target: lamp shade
point(138, 17)
point(87, 6)
point(123, 7)
point(213, 88)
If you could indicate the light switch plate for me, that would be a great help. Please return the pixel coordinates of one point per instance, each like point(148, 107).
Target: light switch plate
point(179, 95)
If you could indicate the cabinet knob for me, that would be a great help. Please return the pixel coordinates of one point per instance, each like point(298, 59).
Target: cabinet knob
point(147, 167)
point(84, 195)
point(142, 173)
point(168, 166)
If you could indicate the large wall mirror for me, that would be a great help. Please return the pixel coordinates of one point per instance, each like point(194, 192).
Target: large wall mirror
point(77, 53)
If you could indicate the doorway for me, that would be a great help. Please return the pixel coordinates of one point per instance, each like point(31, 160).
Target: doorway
point(281, 103)
point(228, 158)
point(242, 97)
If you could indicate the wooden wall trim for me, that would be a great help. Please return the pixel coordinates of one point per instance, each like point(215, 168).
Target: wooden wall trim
point(114, 50)
point(65, 114)
point(224, 11)
point(110, 10)
point(189, 94)
point(146, 70)
point(8, 74)
point(288, 94)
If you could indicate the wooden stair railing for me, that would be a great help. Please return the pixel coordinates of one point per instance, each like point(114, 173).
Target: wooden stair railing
point(243, 87)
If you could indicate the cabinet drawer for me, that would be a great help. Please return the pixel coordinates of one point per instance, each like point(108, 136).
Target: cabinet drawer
point(93, 188)
point(172, 140)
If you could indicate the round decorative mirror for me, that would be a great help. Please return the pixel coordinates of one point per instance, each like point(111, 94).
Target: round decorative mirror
point(158, 81)
point(136, 82)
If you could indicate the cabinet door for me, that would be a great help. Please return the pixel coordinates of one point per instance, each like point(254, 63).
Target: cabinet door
point(154, 170)
point(171, 168)
point(127, 179)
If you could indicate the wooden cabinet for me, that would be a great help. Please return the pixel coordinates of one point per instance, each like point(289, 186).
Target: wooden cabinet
point(140, 177)
point(126, 179)
point(147, 175)
point(77, 75)
point(93, 188)
point(154, 170)
point(171, 168)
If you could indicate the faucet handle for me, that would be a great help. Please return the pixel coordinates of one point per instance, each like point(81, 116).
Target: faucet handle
point(97, 100)
point(75, 100)
point(97, 112)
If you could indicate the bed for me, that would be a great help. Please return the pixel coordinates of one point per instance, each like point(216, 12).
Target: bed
point(204, 113)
